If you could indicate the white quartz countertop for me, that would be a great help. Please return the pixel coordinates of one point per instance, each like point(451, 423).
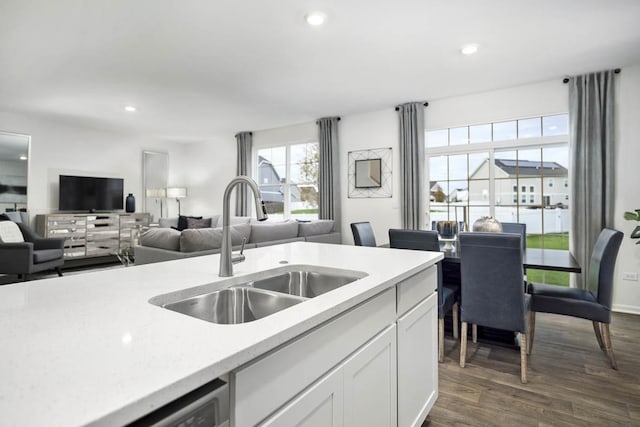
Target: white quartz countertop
point(90, 348)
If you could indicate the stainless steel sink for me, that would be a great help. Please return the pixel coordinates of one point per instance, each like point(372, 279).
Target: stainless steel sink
point(305, 283)
point(234, 305)
point(257, 295)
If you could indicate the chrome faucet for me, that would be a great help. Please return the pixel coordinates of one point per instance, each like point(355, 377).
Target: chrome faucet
point(227, 259)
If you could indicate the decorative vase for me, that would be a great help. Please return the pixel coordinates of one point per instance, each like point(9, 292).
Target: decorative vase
point(447, 229)
point(488, 224)
point(130, 203)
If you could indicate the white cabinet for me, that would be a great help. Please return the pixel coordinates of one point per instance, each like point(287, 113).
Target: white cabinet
point(321, 405)
point(360, 391)
point(417, 362)
point(370, 386)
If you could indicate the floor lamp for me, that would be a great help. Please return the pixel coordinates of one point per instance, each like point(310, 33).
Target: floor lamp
point(157, 193)
point(177, 193)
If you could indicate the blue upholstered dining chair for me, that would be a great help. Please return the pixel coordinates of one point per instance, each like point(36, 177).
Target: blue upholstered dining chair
point(363, 234)
point(492, 294)
point(516, 228)
point(593, 303)
point(448, 294)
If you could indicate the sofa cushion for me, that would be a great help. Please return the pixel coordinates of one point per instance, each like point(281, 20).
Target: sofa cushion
point(199, 223)
point(234, 220)
point(10, 232)
point(266, 231)
point(168, 222)
point(313, 228)
point(202, 239)
point(163, 238)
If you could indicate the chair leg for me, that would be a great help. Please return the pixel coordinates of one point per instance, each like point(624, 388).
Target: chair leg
point(596, 329)
point(463, 343)
point(532, 330)
point(474, 333)
point(607, 343)
point(523, 358)
point(454, 313)
point(59, 271)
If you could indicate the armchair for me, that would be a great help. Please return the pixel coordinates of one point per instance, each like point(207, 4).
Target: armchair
point(31, 256)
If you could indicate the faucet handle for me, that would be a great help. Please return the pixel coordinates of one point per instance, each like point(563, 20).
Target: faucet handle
point(244, 240)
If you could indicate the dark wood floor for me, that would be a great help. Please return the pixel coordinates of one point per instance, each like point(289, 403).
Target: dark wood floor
point(570, 380)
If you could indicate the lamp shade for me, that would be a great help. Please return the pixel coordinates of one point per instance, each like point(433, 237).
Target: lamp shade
point(176, 192)
point(156, 192)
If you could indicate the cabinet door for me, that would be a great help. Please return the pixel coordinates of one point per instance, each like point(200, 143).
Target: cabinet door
point(370, 383)
point(321, 405)
point(418, 362)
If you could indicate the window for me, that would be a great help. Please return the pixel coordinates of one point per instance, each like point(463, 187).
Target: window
point(288, 180)
point(506, 170)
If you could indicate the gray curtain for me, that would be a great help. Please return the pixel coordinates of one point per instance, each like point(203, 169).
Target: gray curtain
point(245, 143)
point(329, 170)
point(591, 130)
point(411, 117)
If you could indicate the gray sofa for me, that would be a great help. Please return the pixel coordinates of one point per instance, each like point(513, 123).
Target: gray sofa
point(165, 243)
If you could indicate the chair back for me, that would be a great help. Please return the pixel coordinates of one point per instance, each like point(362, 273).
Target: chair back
point(414, 239)
point(491, 279)
point(363, 234)
point(516, 228)
point(602, 264)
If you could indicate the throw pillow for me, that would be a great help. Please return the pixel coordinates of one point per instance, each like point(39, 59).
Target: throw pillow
point(199, 223)
point(183, 221)
point(4, 217)
point(10, 232)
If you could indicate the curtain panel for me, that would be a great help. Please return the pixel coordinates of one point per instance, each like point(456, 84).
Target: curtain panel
point(411, 116)
point(591, 133)
point(328, 170)
point(244, 142)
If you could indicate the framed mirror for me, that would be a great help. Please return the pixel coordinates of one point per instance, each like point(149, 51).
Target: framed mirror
point(155, 168)
point(14, 171)
point(368, 173)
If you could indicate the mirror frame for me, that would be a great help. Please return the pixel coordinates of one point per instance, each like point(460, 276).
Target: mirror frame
point(28, 142)
point(155, 173)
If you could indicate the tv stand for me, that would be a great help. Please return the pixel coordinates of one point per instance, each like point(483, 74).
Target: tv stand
point(90, 235)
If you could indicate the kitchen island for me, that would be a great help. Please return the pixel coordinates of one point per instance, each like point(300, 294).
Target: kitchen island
point(90, 349)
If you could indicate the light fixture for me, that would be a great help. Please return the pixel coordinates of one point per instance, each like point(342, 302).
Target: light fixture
point(130, 108)
point(177, 193)
point(469, 49)
point(315, 19)
point(23, 157)
point(158, 194)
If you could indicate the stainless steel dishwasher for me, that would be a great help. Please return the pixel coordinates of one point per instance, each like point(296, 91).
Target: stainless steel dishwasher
point(207, 406)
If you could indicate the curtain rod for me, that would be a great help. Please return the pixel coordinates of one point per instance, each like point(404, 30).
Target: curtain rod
point(426, 104)
point(318, 121)
point(566, 79)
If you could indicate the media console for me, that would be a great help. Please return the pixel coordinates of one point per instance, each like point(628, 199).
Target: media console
point(90, 235)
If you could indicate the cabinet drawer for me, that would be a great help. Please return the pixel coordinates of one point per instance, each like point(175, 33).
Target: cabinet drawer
point(258, 389)
point(416, 288)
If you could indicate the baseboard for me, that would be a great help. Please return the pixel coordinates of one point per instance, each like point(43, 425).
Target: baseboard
point(629, 309)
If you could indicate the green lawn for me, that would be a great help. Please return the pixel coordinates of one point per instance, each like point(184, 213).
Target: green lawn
point(550, 241)
point(305, 211)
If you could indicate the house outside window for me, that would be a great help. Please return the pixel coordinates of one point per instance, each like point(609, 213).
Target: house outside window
point(288, 179)
point(499, 159)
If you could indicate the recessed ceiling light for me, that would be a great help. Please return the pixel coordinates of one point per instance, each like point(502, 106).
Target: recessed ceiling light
point(23, 157)
point(315, 18)
point(130, 108)
point(469, 49)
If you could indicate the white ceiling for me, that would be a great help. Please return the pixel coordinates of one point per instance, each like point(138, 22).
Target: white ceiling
point(205, 69)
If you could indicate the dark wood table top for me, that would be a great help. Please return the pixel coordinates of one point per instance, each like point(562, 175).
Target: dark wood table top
point(540, 259)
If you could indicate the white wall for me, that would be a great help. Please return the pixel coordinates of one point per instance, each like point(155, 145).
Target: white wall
point(626, 295)
point(378, 129)
point(64, 148)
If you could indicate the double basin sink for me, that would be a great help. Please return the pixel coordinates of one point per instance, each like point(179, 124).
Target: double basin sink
point(252, 297)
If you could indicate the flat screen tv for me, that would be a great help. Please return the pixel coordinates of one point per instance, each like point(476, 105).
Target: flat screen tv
point(86, 193)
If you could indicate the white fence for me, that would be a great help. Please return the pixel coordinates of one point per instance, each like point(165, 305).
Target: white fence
point(554, 220)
